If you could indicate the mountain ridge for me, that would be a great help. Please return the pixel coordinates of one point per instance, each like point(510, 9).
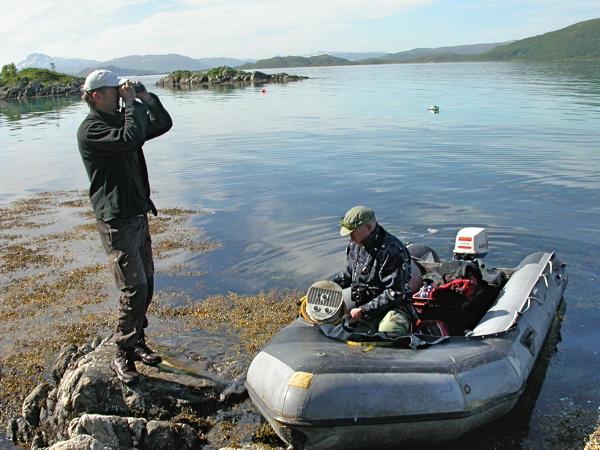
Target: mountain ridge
point(579, 41)
point(129, 65)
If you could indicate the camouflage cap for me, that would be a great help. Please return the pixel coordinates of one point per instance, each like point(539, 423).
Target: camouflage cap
point(354, 218)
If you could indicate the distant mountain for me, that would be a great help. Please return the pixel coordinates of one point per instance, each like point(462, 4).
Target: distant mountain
point(580, 41)
point(218, 62)
point(455, 53)
point(280, 62)
point(419, 53)
point(128, 65)
point(118, 71)
point(156, 63)
point(71, 66)
point(355, 56)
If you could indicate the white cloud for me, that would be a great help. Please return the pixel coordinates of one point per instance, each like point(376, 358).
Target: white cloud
point(192, 27)
point(257, 28)
point(30, 26)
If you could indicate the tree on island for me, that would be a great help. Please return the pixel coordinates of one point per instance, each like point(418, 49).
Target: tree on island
point(9, 71)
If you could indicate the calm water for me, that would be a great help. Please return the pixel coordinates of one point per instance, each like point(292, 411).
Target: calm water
point(514, 148)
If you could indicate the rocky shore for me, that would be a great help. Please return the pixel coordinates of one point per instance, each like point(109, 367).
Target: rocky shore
point(86, 407)
point(223, 76)
point(220, 76)
point(32, 89)
point(57, 314)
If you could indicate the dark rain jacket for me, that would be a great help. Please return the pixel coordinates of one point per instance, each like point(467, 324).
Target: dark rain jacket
point(378, 272)
point(111, 149)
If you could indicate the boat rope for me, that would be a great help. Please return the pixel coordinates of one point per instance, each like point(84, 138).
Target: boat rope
point(541, 302)
point(528, 304)
point(303, 312)
point(545, 275)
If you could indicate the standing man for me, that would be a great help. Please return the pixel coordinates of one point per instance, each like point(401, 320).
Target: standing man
point(110, 142)
point(377, 271)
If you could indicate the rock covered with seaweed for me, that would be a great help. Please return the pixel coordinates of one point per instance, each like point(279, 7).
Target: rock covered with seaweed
point(223, 75)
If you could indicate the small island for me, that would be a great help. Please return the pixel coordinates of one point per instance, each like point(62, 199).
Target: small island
point(33, 82)
point(223, 75)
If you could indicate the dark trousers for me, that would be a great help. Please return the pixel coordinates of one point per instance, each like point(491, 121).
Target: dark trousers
point(128, 246)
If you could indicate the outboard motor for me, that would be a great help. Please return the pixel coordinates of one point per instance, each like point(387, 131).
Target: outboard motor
point(324, 302)
point(471, 244)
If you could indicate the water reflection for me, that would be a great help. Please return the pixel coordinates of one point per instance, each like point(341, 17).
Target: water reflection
point(216, 88)
point(22, 109)
point(513, 149)
point(578, 80)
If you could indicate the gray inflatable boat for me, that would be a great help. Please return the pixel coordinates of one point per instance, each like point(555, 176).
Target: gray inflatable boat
point(320, 393)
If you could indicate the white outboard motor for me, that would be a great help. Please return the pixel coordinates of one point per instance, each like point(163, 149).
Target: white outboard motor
point(471, 243)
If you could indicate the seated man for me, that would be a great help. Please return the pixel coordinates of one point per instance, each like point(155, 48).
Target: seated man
point(378, 272)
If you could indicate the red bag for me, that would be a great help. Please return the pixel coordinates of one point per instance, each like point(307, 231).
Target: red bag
point(466, 287)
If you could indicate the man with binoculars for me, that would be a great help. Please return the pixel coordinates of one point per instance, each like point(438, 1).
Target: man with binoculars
point(110, 142)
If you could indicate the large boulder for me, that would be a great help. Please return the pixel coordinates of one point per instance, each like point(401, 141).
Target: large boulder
point(88, 400)
point(112, 431)
point(161, 435)
point(90, 386)
point(175, 406)
point(96, 431)
point(81, 442)
point(35, 402)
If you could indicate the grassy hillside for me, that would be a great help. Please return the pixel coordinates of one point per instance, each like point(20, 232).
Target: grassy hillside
point(439, 53)
point(576, 42)
point(11, 77)
point(296, 61)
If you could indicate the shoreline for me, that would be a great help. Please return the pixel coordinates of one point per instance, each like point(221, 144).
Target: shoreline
point(57, 290)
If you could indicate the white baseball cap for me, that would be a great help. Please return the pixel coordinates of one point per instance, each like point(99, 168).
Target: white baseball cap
point(100, 78)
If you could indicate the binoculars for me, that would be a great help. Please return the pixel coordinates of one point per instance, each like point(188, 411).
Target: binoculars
point(137, 85)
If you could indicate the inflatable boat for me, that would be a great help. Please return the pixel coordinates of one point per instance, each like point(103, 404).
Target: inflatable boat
point(321, 393)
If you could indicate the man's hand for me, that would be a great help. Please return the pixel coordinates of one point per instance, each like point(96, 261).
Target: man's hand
point(143, 95)
point(127, 92)
point(356, 313)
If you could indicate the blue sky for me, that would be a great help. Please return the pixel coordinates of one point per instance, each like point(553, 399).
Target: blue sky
point(264, 28)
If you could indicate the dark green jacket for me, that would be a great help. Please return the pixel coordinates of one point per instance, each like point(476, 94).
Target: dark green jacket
point(111, 149)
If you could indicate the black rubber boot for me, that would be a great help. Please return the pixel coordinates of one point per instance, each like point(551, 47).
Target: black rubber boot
point(145, 354)
point(124, 366)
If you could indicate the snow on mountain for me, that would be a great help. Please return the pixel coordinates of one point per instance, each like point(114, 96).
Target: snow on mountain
point(65, 65)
